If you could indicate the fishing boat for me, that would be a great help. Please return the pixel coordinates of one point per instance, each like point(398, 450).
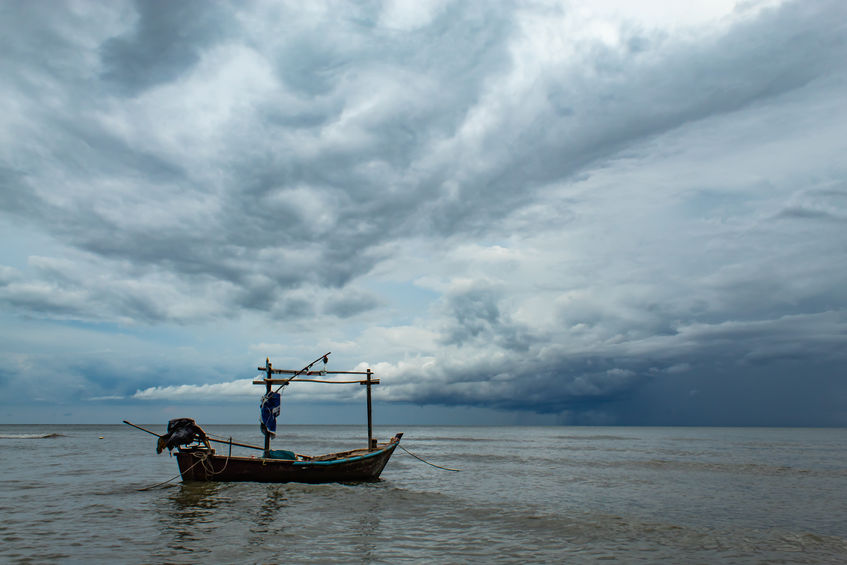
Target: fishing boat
point(198, 461)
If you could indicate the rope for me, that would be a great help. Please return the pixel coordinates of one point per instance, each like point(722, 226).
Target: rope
point(211, 469)
point(204, 459)
point(169, 480)
point(427, 462)
point(304, 369)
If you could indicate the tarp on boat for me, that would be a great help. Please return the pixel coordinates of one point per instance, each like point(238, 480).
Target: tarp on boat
point(181, 431)
point(281, 454)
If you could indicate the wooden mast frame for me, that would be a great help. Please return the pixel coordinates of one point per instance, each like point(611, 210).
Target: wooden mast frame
point(268, 381)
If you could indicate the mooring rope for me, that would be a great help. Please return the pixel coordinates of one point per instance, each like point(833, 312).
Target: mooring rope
point(427, 462)
point(174, 478)
point(210, 469)
point(202, 458)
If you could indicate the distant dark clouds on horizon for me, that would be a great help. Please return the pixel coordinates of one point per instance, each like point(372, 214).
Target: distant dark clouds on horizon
point(574, 210)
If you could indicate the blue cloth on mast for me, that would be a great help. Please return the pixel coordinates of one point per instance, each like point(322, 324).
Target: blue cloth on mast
point(270, 410)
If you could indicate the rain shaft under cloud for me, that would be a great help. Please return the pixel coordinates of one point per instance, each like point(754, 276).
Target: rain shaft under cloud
point(585, 213)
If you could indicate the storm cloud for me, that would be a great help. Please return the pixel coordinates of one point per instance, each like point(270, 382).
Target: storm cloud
point(594, 215)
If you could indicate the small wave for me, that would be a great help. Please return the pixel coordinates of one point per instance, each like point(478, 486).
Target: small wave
point(30, 436)
point(595, 437)
point(719, 466)
point(464, 439)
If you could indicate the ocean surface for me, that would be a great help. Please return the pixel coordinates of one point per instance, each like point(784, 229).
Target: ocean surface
point(524, 494)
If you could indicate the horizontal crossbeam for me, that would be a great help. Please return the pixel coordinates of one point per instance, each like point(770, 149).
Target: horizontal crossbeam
point(296, 380)
point(290, 372)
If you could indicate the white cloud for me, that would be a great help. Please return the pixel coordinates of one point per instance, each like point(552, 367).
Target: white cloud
point(234, 389)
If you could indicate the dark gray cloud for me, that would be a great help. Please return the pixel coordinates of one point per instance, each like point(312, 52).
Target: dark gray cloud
point(350, 304)
point(734, 374)
point(165, 41)
point(474, 314)
point(636, 95)
point(264, 203)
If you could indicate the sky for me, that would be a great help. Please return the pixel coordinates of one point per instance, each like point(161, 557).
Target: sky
point(540, 212)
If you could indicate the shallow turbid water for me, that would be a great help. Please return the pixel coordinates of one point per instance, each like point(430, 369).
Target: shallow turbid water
point(558, 494)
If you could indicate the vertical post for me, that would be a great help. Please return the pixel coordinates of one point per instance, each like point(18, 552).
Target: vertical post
point(268, 368)
point(370, 425)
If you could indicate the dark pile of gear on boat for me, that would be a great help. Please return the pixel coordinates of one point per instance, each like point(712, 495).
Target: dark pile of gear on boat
point(181, 431)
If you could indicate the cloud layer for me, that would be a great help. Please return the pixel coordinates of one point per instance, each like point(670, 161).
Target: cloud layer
point(609, 217)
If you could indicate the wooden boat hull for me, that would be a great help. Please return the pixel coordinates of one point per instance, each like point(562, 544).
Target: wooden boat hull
point(202, 465)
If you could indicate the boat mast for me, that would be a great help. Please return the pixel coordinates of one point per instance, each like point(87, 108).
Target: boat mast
point(371, 443)
point(269, 370)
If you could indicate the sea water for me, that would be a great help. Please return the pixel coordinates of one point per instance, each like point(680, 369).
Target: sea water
point(524, 494)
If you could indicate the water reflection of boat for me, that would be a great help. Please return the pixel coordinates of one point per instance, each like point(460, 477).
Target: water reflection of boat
point(198, 461)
